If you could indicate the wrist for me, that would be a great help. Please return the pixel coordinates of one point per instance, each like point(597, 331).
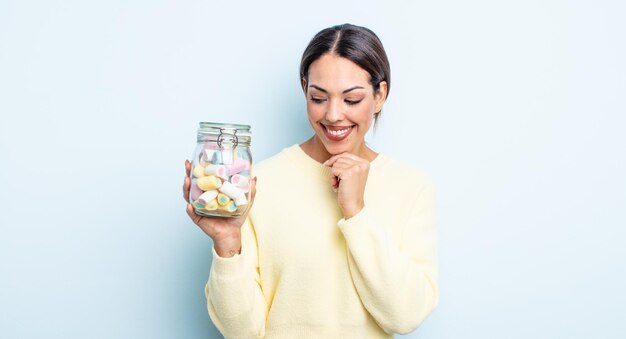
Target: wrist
point(228, 246)
point(351, 211)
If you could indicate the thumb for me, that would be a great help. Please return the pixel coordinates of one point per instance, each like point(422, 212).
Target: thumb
point(252, 195)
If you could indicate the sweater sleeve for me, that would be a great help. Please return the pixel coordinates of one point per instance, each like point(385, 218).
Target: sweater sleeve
point(234, 297)
point(396, 279)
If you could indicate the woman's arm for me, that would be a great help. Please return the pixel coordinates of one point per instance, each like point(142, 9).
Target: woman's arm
point(395, 278)
point(234, 298)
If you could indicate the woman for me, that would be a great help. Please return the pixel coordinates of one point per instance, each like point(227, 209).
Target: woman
point(340, 241)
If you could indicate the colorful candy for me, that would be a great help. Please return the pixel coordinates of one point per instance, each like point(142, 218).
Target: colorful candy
point(207, 196)
point(241, 200)
point(221, 181)
point(230, 207)
point(217, 170)
point(198, 171)
point(211, 206)
point(206, 156)
point(195, 191)
point(238, 166)
point(209, 183)
point(222, 199)
point(230, 190)
point(239, 180)
point(227, 156)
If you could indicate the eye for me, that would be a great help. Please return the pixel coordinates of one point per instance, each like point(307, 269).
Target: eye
point(317, 100)
point(352, 102)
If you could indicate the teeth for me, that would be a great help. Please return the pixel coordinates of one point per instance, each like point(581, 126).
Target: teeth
point(338, 132)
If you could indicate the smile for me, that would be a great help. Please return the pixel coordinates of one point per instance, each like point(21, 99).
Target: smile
point(337, 133)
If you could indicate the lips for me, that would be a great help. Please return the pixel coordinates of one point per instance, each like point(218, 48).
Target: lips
point(337, 133)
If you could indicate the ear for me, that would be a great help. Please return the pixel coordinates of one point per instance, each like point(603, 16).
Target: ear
point(303, 81)
point(381, 96)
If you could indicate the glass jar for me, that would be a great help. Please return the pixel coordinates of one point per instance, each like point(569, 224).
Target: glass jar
point(220, 170)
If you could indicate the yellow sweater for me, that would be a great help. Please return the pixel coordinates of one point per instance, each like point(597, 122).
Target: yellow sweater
point(305, 272)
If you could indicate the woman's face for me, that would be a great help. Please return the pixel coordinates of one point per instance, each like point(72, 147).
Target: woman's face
point(341, 103)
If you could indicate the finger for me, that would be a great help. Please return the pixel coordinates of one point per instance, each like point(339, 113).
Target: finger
point(334, 181)
point(353, 157)
point(194, 217)
point(335, 177)
point(253, 189)
point(345, 163)
point(186, 185)
point(332, 159)
point(347, 155)
point(252, 195)
point(187, 167)
point(337, 172)
point(351, 165)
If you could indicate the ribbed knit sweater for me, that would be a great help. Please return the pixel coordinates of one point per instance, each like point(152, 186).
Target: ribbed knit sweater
point(306, 272)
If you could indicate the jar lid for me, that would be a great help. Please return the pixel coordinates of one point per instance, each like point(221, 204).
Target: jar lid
point(224, 133)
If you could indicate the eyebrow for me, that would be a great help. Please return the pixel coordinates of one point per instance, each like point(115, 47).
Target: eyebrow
point(346, 91)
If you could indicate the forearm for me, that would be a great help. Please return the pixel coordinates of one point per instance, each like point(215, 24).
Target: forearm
point(396, 291)
point(234, 298)
point(398, 288)
point(234, 295)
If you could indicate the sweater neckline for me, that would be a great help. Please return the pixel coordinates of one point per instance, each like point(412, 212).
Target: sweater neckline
point(300, 158)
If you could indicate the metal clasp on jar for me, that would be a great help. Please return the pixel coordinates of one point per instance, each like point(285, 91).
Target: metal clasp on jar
point(227, 137)
point(231, 141)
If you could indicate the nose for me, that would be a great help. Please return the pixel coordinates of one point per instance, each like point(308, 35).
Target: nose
point(334, 112)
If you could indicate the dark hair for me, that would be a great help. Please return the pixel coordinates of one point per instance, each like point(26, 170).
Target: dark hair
point(355, 43)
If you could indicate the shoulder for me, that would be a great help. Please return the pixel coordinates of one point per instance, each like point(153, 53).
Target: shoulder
point(274, 164)
point(403, 173)
point(399, 184)
point(280, 168)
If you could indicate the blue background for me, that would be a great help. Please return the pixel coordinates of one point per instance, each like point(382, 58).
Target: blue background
point(515, 108)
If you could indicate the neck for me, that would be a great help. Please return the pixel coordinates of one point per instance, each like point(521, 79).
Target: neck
point(316, 150)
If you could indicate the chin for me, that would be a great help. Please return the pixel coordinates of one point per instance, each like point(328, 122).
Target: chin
point(337, 149)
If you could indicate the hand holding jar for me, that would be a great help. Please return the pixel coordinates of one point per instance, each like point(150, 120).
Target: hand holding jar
point(218, 186)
